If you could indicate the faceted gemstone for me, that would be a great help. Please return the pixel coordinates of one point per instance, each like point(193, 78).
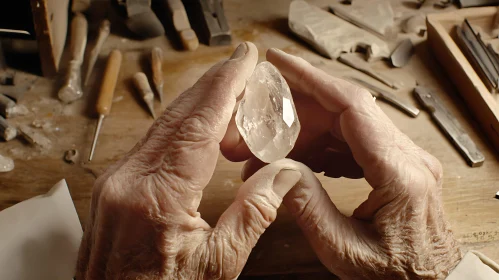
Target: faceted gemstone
point(266, 117)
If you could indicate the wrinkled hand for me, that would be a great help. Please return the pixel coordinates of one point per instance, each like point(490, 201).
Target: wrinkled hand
point(144, 222)
point(399, 232)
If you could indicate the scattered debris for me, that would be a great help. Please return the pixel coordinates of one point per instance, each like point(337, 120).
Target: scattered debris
point(6, 164)
point(71, 156)
point(7, 132)
point(442, 4)
point(377, 17)
point(415, 24)
point(402, 53)
point(330, 35)
point(118, 99)
point(34, 137)
point(18, 110)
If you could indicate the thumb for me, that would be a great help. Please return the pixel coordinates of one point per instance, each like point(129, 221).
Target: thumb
point(255, 208)
point(333, 236)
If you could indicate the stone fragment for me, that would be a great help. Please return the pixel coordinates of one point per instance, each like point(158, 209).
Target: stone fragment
point(415, 24)
point(331, 35)
point(7, 132)
point(266, 117)
point(71, 156)
point(376, 15)
point(34, 137)
point(402, 53)
point(6, 164)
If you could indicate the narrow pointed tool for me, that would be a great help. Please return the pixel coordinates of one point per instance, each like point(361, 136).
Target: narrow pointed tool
point(105, 99)
point(104, 30)
point(142, 84)
point(157, 71)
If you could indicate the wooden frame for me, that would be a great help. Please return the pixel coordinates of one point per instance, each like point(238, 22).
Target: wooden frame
point(50, 18)
point(441, 37)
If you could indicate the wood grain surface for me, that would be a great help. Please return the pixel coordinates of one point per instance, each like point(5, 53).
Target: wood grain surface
point(468, 193)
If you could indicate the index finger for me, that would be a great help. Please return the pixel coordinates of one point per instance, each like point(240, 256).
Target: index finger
point(376, 144)
point(182, 146)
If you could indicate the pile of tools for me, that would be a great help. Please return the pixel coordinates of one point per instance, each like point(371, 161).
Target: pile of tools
point(482, 56)
point(347, 28)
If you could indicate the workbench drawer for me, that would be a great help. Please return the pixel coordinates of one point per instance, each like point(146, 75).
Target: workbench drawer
point(442, 40)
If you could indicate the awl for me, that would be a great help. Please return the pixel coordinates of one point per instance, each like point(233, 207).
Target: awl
point(450, 126)
point(359, 64)
point(142, 85)
point(104, 30)
point(106, 93)
point(388, 97)
point(157, 71)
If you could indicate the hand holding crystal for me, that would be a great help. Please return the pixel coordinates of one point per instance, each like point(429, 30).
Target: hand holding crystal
point(399, 232)
point(143, 220)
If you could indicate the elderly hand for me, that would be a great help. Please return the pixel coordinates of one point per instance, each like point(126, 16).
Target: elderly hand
point(144, 222)
point(399, 232)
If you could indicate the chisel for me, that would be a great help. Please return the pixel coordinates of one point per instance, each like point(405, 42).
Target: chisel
point(450, 126)
point(106, 93)
point(142, 85)
point(104, 30)
point(388, 97)
point(157, 71)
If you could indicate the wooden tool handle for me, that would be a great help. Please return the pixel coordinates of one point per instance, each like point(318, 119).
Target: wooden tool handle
point(108, 85)
point(105, 27)
point(156, 62)
point(182, 25)
point(142, 84)
point(79, 28)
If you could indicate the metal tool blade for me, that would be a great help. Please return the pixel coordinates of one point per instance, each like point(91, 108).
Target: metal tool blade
point(450, 126)
point(388, 97)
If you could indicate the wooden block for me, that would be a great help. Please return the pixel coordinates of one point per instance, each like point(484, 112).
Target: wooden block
point(50, 18)
point(441, 35)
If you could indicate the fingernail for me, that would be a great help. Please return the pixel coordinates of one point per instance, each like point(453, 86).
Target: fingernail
point(241, 51)
point(285, 180)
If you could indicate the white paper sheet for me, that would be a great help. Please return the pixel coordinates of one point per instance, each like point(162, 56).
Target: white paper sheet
point(40, 237)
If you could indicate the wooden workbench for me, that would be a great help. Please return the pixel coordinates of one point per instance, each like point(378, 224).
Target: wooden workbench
point(468, 193)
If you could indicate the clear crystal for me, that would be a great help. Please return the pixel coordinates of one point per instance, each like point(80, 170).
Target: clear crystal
point(266, 117)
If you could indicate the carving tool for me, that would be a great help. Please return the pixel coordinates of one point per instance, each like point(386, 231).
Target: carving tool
point(106, 93)
point(157, 71)
point(71, 90)
point(359, 64)
point(7, 131)
point(388, 97)
point(478, 55)
point(6, 105)
point(142, 84)
point(104, 30)
point(182, 25)
point(210, 16)
point(450, 126)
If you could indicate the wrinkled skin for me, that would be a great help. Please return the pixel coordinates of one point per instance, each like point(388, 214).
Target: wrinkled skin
point(144, 222)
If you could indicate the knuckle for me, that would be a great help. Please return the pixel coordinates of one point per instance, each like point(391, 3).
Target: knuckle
point(261, 211)
point(197, 127)
point(363, 95)
point(434, 166)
